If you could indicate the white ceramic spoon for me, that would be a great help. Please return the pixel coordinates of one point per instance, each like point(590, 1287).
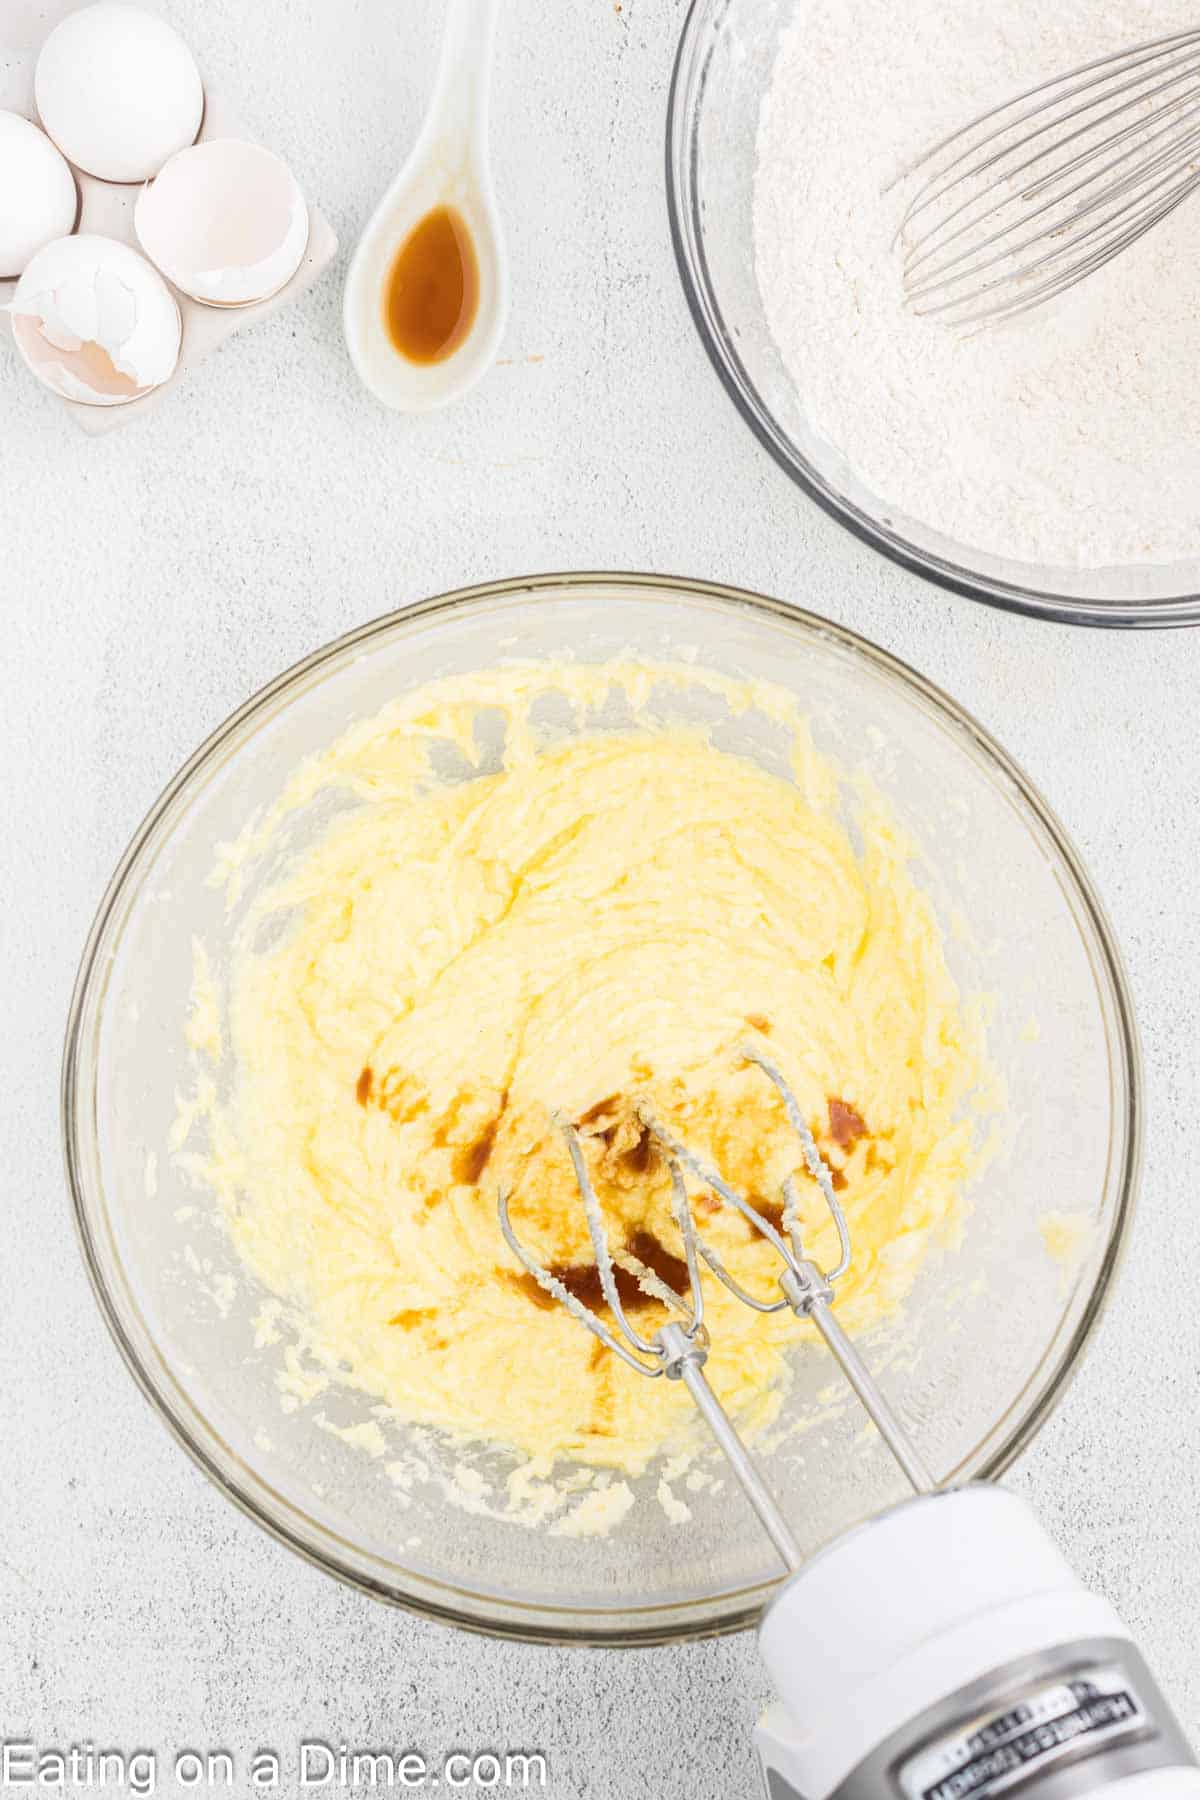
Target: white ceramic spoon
point(447, 167)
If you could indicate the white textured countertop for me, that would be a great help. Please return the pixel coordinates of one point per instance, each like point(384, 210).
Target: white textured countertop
point(153, 579)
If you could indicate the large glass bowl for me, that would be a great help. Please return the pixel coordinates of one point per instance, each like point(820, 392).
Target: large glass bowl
point(722, 71)
point(992, 1328)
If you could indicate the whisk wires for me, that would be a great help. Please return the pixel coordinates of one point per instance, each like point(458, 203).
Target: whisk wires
point(1036, 194)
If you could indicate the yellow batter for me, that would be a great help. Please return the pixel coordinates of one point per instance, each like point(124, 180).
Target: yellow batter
point(603, 920)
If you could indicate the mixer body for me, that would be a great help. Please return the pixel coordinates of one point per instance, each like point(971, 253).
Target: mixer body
point(942, 1651)
point(946, 1651)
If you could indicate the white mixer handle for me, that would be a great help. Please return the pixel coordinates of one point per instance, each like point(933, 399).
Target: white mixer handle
point(1153, 1784)
point(945, 1651)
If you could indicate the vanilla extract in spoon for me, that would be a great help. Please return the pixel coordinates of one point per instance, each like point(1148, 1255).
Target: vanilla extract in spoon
point(432, 292)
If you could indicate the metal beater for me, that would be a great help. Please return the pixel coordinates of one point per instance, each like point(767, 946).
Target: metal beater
point(943, 1651)
point(1033, 196)
point(679, 1348)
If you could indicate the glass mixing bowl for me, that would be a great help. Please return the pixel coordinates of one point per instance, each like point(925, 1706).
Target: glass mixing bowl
point(722, 71)
point(991, 1330)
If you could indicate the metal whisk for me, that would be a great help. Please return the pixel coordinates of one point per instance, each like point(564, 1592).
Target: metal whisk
point(1036, 194)
point(679, 1348)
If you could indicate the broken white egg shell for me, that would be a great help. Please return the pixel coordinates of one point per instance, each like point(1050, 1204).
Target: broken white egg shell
point(225, 221)
point(118, 90)
point(41, 200)
point(95, 322)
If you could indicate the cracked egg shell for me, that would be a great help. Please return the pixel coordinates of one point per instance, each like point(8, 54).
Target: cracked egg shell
point(225, 221)
point(95, 322)
point(118, 90)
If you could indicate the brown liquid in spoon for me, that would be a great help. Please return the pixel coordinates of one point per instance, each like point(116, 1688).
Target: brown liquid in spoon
point(432, 292)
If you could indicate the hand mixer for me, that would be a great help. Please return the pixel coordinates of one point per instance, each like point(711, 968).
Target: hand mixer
point(1040, 192)
point(942, 1651)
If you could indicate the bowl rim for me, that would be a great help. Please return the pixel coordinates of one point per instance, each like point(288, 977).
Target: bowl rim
point(700, 293)
point(540, 1622)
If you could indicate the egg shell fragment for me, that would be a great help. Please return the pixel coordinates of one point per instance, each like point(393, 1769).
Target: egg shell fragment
point(95, 322)
point(118, 90)
point(225, 221)
point(40, 199)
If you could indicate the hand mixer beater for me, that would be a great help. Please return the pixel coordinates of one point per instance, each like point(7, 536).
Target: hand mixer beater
point(679, 1349)
point(943, 1651)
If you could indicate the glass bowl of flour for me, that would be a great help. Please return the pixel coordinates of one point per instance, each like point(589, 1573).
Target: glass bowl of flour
point(1052, 465)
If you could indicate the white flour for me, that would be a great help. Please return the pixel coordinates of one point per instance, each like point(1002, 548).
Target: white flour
point(1071, 436)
